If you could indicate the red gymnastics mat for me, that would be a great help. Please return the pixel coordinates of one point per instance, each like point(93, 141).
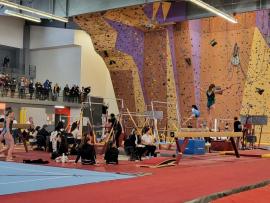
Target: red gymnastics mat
point(259, 195)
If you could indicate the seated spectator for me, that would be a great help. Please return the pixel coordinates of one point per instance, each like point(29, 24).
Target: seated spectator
point(42, 135)
point(86, 150)
point(148, 141)
point(31, 122)
point(54, 138)
point(111, 154)
point(104, 137)
point(140, 148)
point(130, 145)
point(33, 136)
point(75, 131)
point(62, 144)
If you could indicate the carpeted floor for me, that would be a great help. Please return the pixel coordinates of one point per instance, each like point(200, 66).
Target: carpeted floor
point(195, 177)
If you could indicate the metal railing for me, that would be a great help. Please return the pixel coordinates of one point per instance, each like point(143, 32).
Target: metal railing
point(41, 96)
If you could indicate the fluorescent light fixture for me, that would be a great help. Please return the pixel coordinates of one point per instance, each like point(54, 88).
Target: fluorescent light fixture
point(32, 10)
point(59, 107)
point(20, 15)
point(214, 10)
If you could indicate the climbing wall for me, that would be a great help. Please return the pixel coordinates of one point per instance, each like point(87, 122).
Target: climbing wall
point(153, 54)
point(184, 70)
point(172, 96)
point(258, 76)
point(124, 60)
point(155, 70)
point(216, 64)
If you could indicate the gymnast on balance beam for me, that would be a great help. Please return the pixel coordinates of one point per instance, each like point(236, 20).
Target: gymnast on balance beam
point(211, 100)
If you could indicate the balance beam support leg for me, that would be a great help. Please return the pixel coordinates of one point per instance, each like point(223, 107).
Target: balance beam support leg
point(180, 149)
point(234, 147)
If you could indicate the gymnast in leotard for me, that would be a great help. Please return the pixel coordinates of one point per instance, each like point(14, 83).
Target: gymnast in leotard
point(195, 113)
point(211, 100)
point(6, 135)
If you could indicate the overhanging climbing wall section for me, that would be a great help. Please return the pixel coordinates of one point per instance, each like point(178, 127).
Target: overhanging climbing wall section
point(258, 76)
point(110, 39)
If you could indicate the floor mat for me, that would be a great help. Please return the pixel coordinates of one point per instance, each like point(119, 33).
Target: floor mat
point(17, 177)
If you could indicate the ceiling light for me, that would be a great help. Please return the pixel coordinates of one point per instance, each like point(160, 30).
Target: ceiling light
point(59, 107)
point(214, 10)
point(32, 10)
point(20, 15)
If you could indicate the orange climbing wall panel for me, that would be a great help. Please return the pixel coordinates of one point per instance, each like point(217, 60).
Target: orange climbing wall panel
point(216, 66)
point(185, 71)
point(155, 65)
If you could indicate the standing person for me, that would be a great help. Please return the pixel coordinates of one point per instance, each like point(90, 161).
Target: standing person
point(75, 132)
point(237, 125)
point(66, 93)
point(148, 141)
point(6, 62)
point(104, 117)
point(31, 89)
point(6, 134)
point(56, 90)
point(13, 85)
point(117, 128)
point(21, 88)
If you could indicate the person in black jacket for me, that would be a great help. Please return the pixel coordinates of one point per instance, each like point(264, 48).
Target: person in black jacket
point(86, 150)
point(117, 129)
point(237, 125)
point(130, 145)
point(111, 154)
point(31, 89)
point(42, 137)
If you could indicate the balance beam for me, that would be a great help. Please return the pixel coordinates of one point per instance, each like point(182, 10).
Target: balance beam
point(18, 125)
point(187, 135)
point(209, 134)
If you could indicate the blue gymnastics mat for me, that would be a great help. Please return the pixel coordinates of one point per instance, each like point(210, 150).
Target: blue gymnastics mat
point(18, 177)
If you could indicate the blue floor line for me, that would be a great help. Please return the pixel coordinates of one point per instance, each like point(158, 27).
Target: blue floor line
point(18, 177)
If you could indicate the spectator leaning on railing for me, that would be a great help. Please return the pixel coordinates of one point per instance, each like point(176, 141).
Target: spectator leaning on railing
point(28, 89)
